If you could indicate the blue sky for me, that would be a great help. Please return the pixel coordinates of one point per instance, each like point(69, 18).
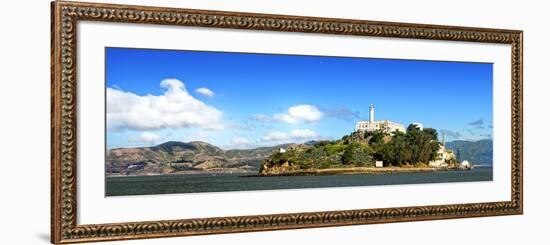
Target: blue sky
point(240, 100)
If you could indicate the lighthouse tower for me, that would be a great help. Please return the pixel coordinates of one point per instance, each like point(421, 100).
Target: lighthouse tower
point(371, 115)
point(443, 138)
point(371, 125)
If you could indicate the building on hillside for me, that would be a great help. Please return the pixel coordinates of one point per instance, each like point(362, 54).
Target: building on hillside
point(443, 156)
point(372, 125)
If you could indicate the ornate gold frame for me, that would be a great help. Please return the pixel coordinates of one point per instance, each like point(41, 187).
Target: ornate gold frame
point(65, 15)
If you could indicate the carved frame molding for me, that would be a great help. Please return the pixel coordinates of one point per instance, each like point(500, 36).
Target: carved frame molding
point(66, 15)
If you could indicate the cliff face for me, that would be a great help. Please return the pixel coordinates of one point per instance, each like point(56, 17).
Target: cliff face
point(173, 157)
point(277, 169)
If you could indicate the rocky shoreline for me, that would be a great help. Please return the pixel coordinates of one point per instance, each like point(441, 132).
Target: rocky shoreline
point(351, 170)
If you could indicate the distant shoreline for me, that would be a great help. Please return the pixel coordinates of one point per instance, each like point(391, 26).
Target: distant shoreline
point(189, 172)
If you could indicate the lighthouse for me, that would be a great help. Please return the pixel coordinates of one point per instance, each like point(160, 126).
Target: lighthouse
point(443, 138)
point(371, 125)
point(371, 115)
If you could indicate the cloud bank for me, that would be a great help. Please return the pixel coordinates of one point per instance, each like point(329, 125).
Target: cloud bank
point(478, 122)
point(175, 108)
point(296, 135)
point(342, 113)
point(145, 137)
point(240, 141)
point(205, 92)
point(451, 134)
point(294, 114)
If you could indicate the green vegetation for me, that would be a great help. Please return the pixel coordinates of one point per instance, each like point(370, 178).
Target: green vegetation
point(415, 147)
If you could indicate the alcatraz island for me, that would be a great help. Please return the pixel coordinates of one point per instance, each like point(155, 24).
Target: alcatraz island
point(374, 147)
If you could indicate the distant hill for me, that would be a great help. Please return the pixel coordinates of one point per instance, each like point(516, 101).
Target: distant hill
point(174, 156)
point(477, 152)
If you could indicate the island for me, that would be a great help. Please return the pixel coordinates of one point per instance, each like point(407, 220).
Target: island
point(361, 152)
point(375, 147)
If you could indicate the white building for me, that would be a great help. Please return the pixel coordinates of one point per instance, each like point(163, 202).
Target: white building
point(441, 159)
point(372, 125)
point(465, 165)
point(418, 125)
point(443, 155)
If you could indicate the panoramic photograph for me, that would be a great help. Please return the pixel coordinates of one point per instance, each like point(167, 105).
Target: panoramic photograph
point(182, 121)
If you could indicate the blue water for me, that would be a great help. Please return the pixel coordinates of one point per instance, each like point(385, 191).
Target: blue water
point(166, 184)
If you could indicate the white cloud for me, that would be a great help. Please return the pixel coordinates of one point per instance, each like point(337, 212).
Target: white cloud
point(275, 136)
point(262, 118)
point(303, 134)
point(306, 113)
point(175, 108)
point(205, 92)
point(294, 114)
point(240, 141)
point(145, 137)
point(296, 135)
point(200, 135)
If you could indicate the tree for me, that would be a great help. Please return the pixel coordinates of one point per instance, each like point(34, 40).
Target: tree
point(346, 139)
point(375, 137)
point(431, 132)
point(383, 153)
point(423, 145)
point(402, 148)
point(277, 158)
point(323, 143)
point(348, 156)
point(412, 128)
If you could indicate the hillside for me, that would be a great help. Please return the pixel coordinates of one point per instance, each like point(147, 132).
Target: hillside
point(477, 152)
point(173, 157)
point(359, 150)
